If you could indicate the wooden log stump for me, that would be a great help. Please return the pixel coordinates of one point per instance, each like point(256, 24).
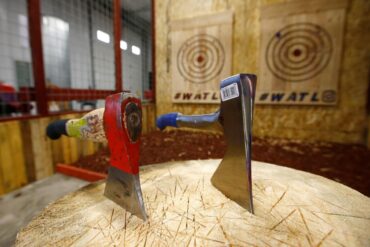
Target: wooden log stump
point(292, 208)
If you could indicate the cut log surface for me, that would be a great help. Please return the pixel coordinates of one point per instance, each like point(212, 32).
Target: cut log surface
point(292, 208)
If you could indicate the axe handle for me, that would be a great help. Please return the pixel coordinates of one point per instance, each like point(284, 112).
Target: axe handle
point(169, 119)
point(175, 119)
point(89, 127)
point(56, 129)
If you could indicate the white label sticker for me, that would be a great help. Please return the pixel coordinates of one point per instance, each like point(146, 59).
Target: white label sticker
point(229, 92)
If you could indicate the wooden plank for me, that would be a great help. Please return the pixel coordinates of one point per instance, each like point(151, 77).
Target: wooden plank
point(299, 7)
point(148, 117)
point(66, 150)
point(6, 157)
point(56, 147)
point(152, 118)
point(300, 57)
point(144, 118)
point(88, 148)
point(41, 147)
point(292, 208)
point(28, 151)
point(73, 149)
point(2, 141)
point(12, 164)
point(20, 176)
point(201, 56)
point(220, 18)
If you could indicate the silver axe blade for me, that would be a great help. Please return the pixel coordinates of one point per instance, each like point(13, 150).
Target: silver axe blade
point(125, 190)
point(233, 175)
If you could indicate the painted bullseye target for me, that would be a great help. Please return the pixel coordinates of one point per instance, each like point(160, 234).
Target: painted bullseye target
point(200, 58)
point(299, 52)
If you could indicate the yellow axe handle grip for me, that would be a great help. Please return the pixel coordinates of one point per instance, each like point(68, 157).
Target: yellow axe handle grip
point(88, 127)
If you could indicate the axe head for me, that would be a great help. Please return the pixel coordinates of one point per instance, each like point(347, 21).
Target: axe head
point(233, 175)
point(122, 126)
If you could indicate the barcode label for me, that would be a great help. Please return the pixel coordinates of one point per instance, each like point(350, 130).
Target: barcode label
point(229, 92)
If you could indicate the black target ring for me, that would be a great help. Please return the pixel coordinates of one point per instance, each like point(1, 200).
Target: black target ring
point(194, 67)
point(200, 58)
point(308, 62)
point(299, 52)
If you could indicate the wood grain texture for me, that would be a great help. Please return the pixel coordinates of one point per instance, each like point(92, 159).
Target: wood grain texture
point(201, 54)
point(12, 164)
point(300, 53)
point(41, 147)
point(300, 122)
point(292, 208)
point(300, 7)
point(148, 111)
point(27, 151)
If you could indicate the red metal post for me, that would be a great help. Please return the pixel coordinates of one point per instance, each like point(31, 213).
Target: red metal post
point(153, 50)
point(117, 38)
point(34, 29)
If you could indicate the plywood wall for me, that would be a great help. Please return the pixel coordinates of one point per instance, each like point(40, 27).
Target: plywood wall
point(12, 169)
point(345, 122)
point(27, 155)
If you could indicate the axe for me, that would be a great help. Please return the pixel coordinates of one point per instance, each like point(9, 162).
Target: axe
point(233, 175)
point(120, 124)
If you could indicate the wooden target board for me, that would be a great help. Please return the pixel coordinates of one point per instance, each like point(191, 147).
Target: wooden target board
point(301, 53)
point(201, 57)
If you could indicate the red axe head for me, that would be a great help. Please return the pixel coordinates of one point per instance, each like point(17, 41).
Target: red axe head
point(122, 126)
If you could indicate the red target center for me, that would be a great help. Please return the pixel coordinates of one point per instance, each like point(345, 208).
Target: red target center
point(297, 52)
point(200, 59)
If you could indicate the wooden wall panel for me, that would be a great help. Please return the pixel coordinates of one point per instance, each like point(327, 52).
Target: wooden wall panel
point(148, 117)
point(88, 148)
point(300, 53)
point(29, 161)
point(56, 147)
point(345, 122)
point(41, 147)
point(200, 57)
point(12, 168)
point(144, 119)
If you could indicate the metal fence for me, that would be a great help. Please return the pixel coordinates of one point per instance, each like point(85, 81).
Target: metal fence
point(65, 55)
point(15, 60)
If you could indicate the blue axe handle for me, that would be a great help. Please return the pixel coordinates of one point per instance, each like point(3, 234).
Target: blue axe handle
point(175, 119)
point(168, 119)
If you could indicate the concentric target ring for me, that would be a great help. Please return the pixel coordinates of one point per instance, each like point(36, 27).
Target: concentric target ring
point(200, 58)
point(299, 52)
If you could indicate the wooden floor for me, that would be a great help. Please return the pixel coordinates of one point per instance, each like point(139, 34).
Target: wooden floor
point(19, 207)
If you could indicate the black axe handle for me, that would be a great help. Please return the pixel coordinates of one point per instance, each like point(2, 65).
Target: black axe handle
point(56, 129)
